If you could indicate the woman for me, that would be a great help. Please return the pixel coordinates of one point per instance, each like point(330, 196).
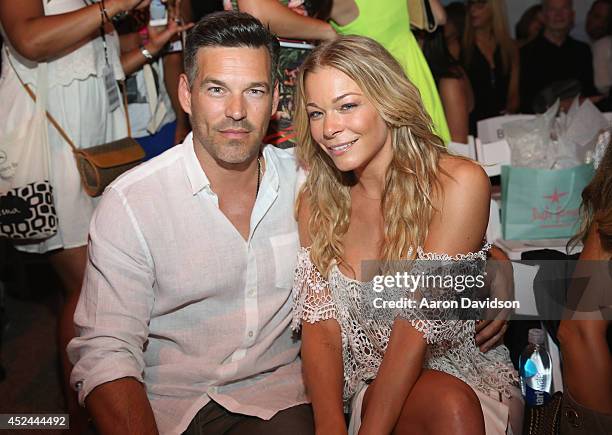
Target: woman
point(529, 26)
point(453, 85)
point(71, 35)
point(491, 60)
point(380, 188)
point(385, 21)
point(585, 339)
point(302, 21)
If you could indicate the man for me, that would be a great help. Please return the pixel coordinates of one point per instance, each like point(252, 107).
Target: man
point(598, 20)
point(554, 56)
point(183, 323)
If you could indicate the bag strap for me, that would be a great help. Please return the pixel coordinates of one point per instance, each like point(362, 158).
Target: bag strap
point(53, 121)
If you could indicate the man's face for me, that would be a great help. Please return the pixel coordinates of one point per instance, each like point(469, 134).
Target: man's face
point(558, 15)
point(230, 102)
point(597, 20)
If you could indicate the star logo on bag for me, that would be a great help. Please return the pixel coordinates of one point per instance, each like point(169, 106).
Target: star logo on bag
point(556, 196)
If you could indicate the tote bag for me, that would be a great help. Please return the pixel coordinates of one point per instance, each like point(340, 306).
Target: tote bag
point(542, 203)
point(26, 196)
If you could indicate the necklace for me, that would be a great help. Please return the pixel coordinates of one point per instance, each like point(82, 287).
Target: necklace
point(258, 175)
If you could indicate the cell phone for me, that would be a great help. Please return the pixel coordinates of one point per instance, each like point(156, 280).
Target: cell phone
point(159, 13)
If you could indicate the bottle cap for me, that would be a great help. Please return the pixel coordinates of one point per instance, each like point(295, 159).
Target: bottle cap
point(536, 336)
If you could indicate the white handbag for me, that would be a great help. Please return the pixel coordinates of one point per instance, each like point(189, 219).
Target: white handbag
point(27, 211)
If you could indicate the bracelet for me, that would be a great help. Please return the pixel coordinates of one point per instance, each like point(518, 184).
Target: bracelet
point(146, 53)
point(103, 10)
point(101, 6)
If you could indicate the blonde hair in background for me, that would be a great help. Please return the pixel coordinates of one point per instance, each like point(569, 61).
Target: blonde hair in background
point(411, 177)
point(501, 32)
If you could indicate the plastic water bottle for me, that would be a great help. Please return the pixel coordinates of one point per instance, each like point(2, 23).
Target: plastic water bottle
point(535, 370)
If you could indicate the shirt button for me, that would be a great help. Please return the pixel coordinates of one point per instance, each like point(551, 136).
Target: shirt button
point(252, 292)
point(250, 333)
point(78, 385)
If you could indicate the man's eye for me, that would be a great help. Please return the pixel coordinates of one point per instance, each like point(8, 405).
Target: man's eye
point(314, 115)
point(256, 91)
point(215, 90)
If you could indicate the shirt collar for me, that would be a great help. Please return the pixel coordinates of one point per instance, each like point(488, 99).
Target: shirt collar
point(195, 174)
point(199, 181)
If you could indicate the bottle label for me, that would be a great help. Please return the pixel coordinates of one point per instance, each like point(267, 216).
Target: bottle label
point(535, 397)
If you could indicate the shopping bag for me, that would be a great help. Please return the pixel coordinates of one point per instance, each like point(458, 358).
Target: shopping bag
point(26, 196)
point(542, 203)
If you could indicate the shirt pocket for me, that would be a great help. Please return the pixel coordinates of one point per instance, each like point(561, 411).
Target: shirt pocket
point(285, 248)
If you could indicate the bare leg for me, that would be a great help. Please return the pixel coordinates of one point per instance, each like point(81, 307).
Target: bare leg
point(69, 264)
point(439, 404)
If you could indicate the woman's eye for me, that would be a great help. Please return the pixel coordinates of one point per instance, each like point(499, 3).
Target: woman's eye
point(314, 115)
point(348, 106)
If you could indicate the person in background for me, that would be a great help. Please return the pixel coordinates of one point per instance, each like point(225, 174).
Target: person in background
point(554, 57)
point(586, 338)
point(157, 120)
point(453, 85)
point(70, 36)
point(529, 26)
point(202, 8)
point(599, 19)
point(303, 22)
point(454, 28)
point(491, 60)
point(602, 62)
point(385, 21)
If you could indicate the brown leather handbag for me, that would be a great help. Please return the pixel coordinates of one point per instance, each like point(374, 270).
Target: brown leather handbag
point(101, 164)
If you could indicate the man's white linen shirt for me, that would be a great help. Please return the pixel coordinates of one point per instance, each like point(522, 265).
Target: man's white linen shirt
point(175, 297)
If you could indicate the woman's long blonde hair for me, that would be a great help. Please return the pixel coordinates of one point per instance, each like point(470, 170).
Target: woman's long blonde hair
point(411, 177)
point(501, 32)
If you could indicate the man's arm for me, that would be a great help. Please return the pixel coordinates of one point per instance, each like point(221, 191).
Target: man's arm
point(112, 319)
point(121, 407)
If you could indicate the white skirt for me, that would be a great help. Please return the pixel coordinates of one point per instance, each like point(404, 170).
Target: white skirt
point(503, 417)
point(81, 108)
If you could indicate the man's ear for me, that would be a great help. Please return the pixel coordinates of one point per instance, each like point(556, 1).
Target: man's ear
point(184, 93)
point(275, 98)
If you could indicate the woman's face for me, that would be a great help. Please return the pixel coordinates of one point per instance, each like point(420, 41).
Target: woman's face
point(480, 13)
point(343, 121)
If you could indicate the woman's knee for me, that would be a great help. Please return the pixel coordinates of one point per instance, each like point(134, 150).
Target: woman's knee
point(440, 402)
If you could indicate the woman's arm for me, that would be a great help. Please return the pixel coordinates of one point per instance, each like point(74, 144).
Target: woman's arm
point(286, 23)
point(322, 359)
point(457, 227)
point(455, 103)
point(589, 380)
point(38, 37)
point(438, 11)
point(513, 103)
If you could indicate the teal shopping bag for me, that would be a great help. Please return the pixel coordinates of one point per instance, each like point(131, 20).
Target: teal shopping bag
point(542, 203)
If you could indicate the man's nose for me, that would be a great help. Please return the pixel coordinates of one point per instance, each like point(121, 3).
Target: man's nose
point(236, 108)
point(331, 125)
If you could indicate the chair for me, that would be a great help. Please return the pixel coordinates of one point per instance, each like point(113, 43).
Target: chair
point(464, 149)
point(491, 129)
point(493, 155)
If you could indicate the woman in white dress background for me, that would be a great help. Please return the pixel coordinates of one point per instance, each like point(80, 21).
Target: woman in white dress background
point(381, 186)
point(66, 35)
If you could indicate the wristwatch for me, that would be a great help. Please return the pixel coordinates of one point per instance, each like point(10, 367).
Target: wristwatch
point(146, 53)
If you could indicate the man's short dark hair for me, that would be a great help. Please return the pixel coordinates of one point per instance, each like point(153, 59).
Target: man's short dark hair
point(229, 29)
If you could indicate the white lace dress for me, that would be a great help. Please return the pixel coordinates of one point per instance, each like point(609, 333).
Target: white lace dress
point(77, 100)
point(365, 332)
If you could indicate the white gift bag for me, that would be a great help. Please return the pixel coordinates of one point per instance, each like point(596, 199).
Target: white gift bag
point(26, 196)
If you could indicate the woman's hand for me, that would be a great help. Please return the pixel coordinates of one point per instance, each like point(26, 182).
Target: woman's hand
point(116, 6)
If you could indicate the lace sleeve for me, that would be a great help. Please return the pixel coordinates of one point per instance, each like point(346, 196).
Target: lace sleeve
point(312, 298)
point(432, 296)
